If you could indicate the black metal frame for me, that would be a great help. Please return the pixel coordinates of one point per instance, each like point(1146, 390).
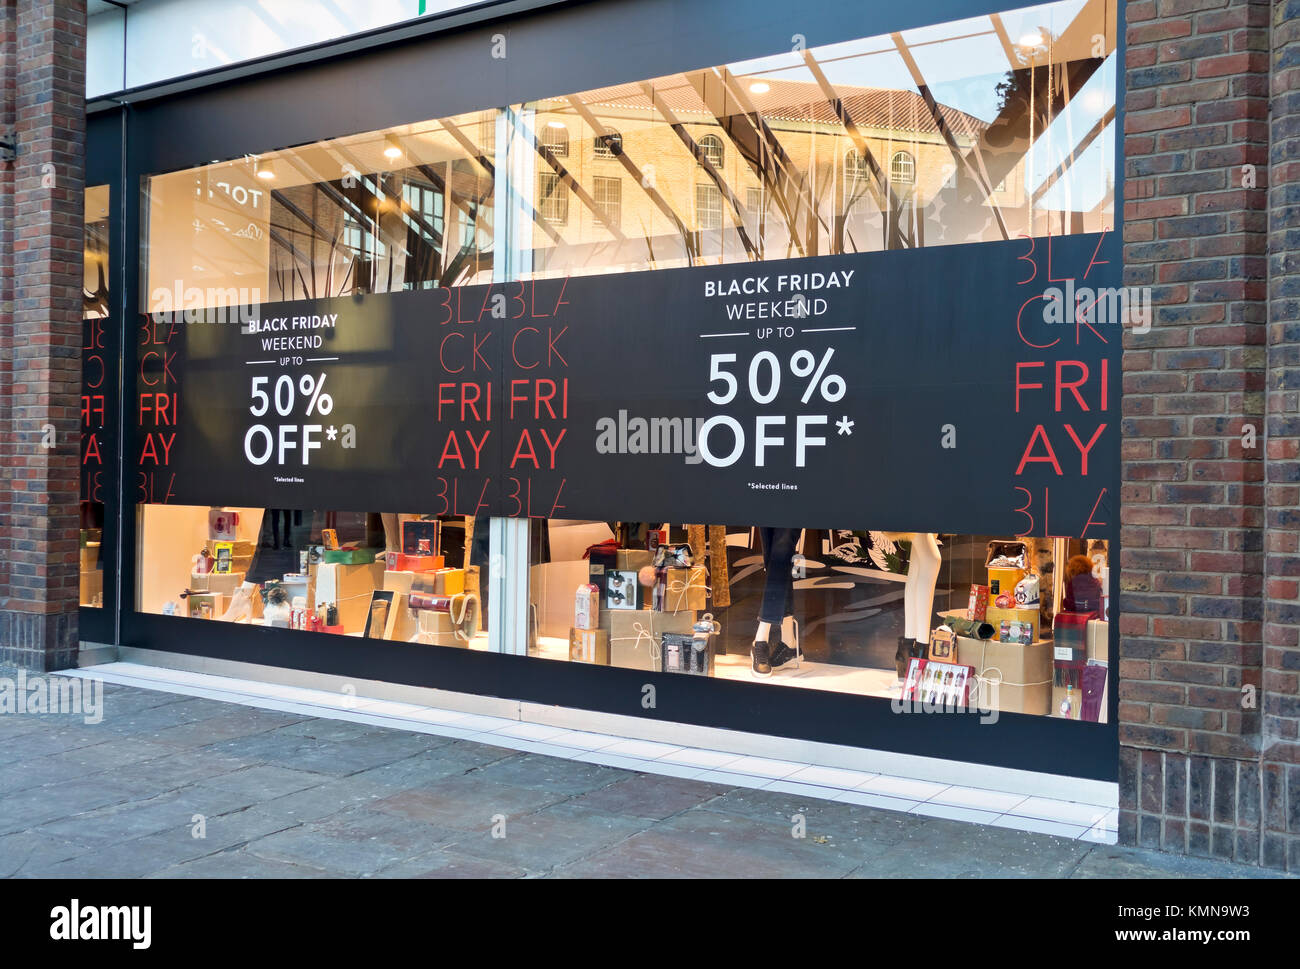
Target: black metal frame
point(418, 72)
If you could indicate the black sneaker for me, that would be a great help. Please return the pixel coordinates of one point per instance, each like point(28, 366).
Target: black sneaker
point(760, 652)
point(782, 654)
point(902, 657)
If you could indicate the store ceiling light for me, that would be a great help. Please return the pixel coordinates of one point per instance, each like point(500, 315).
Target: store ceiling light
point(394, 150)
point(555, 124)
point(759, 87)
point(265, 174)
point(1031, 39)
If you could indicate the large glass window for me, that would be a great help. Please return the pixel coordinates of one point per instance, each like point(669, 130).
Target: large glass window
point(96, 393)
point(983, 130)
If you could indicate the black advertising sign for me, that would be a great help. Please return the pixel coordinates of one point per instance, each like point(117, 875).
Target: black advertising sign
point(969, 388)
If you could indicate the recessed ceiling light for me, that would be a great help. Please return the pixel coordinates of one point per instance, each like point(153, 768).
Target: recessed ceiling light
point(1031, 39)
point(760, 87)
point(394, 149)
point(265, 174)
point(555, 124)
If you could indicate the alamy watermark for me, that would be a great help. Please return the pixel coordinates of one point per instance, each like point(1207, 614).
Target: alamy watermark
point(42, 695)
point(1122, 305)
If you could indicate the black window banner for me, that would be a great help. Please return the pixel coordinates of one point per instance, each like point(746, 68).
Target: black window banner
point(968, 388)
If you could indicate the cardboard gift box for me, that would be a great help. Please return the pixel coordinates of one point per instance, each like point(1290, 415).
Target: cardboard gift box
point(634, 559)
point(551, 588)
point(403, 621)
point(398, 581)
point(224, 582)
point(1012, 678)
point(349, 586)
point(449, 582)
point(997, 616)
point(1003, 582)
point(589, 646)
point(687, 589)
point(635, 635)
point(440, 629)
point(205, 605)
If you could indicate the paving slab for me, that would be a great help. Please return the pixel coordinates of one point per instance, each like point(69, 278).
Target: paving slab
point(357, 841)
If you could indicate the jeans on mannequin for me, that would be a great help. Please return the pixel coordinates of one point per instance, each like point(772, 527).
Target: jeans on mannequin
point(779, 545)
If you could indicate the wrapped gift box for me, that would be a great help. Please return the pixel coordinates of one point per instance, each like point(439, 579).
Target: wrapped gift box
point(635, 635)
point(350, 587)
point(589, 646)
point(687, 589)
point(1012, 678)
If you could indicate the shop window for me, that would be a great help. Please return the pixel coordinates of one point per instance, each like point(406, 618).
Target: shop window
point(711, 148)
point(902, 168)
point(96, 457)
point(608, 145)
point(708, 207)
point(553, 198)
point(406, 578)
point(608, 195)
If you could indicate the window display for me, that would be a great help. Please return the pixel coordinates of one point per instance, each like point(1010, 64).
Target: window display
point(850, 611)
point(401, 577)
point(812, 287)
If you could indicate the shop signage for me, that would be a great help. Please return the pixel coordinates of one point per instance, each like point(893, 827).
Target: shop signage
point(907, 390)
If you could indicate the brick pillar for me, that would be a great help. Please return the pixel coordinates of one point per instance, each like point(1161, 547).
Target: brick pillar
point(40, 330)
point(1280, 702)
point(1207, 644)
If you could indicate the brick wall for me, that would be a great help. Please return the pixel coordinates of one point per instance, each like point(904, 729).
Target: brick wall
point(1281, 667)
point(40, 330)
point(1205, 604)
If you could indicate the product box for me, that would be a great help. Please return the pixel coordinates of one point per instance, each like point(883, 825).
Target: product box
point(1098, 640)
point(401, 562)
point(687, 589)
point(350, 587)
point(679, 654)
point(349, 556)
point(1012, 631)
point(449, 582)
point(621, 590)
point(586, 607)
point(422, 537)
point(403, 621)
point(222, 524)
point(640, 648)
point(1070, 637)
point(943, 645)
point(1003, 582)
point(979, 602)
point(1030, 617)
point(589, 646)
point(1012, 678)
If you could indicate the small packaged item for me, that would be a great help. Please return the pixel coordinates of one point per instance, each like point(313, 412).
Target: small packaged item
point(943, 644)
point(224, 553)
point(222, 524)
point(1027, 592)
point(621, 590)
point(1013, 631)
point(329, 538)
point(586, 608)
point(977, 607)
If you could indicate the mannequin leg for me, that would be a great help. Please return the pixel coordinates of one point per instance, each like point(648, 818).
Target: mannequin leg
point(918, 595)
point(778, 591)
